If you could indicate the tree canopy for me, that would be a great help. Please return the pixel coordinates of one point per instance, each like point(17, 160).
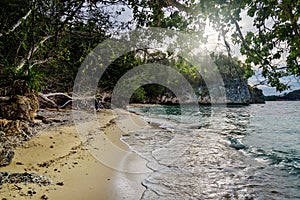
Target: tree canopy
point(50, 36)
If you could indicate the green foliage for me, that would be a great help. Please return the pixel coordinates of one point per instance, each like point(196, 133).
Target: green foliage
point(118, 68)
point(231, 68)
point(275, 46)
point(31, 79)
point(154, 90)
point(52, 37)
point(35, 80)
point(139, 95)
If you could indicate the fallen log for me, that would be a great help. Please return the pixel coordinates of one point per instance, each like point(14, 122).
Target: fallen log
point(59, 98)
point(62, 100)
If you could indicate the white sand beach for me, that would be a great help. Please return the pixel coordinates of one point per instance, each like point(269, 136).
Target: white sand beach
point(75, 173)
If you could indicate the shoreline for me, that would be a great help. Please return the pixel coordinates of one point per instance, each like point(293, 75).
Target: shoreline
point(59, 154)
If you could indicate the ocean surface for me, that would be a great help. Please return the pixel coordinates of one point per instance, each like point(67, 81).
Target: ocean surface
point(221, 152)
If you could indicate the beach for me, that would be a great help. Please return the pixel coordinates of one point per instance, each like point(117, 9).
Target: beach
point(59, 154)
point(217, 153)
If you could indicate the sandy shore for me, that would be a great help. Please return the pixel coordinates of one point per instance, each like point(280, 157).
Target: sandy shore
point(75, 173)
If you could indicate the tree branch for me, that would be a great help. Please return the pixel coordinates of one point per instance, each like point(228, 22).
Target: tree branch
point(17, 24)
point(293, 19)
point(40, 62)
point(177, 5)
point(32, 51)
point(56, 94)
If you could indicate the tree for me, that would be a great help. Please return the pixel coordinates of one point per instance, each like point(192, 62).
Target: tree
point(274, 47)
point(44, 33)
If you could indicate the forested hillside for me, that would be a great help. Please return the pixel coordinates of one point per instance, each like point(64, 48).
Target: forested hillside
point(291, 96)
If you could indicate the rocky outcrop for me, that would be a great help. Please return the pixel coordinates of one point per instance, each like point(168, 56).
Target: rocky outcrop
point(16, 119)
point(237, 92)
point(257, 95)
point(19, 107)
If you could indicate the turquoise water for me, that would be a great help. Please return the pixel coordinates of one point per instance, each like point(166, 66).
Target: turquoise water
point(274, 134)
point(220, 152)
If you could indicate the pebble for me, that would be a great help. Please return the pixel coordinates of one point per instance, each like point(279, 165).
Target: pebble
point(44, 197)
point(60, 183)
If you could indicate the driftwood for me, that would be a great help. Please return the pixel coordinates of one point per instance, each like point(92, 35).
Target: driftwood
point(44, 99)
point(62, 100)
point(103, 97)
point(47, 120)
point(59, 101)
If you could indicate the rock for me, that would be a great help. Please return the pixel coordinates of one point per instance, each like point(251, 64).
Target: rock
point(236, 144)
point(12, 178)
point(44, 197)
point(257, 95)
point(237, 91)
point(60, 183)
point(16, 127)
point(6, 155)
point(204, 100)
point(12, 133)
point(3, 124)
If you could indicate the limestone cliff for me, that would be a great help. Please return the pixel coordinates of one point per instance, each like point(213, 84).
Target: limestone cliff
point(237, 93)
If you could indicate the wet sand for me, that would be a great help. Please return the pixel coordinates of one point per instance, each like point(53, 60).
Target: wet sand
point(75, 173)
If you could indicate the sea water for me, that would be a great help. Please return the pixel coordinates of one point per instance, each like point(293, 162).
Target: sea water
point(221, 152)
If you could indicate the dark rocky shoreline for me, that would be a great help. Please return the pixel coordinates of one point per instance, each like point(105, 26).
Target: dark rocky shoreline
point(11, 178)
point(8, 142)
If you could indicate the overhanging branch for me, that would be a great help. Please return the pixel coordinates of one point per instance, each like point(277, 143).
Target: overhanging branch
point(17, 24)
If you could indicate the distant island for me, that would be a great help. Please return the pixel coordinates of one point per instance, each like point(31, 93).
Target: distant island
point(291, 96)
